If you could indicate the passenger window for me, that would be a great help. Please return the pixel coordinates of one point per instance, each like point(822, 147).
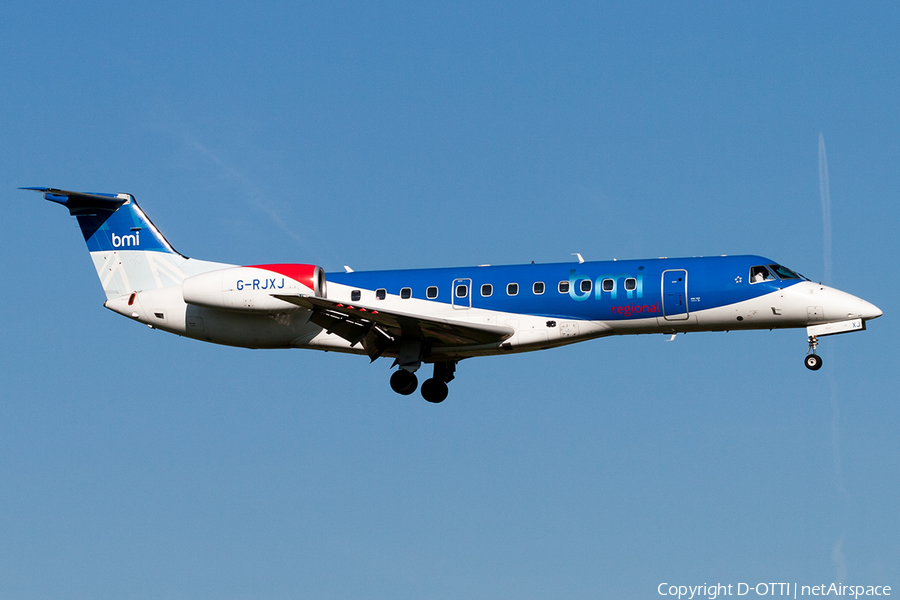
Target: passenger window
point(355, 295)
point(759, 274)
point(586, 285)
point(538, 288)
point(380, 294)
point(462, 291)
point(512, 289)
point(431, 292)
point(406, 293)
point(609, 285)
point(563, 287)
point(630, 284)
point(487, 289)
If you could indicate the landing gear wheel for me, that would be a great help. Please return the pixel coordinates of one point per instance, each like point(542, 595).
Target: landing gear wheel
point(813, 362)
point(404, 382)
point(434, 390)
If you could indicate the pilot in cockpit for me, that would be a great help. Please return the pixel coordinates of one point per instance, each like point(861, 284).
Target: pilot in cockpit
point(759, 274)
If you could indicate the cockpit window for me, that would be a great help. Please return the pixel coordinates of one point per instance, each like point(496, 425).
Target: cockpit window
point(784, 272)
point(759, 274)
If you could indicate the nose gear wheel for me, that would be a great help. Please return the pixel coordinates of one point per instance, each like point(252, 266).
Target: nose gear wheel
point(812, 360)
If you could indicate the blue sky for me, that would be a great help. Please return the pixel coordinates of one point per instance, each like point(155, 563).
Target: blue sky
point(135, 464)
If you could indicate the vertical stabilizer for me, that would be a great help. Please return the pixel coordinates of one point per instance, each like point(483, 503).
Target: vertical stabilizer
point(129, 252)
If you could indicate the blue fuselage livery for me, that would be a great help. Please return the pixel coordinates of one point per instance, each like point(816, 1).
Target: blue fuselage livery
point(633, 287)
point(444, 315)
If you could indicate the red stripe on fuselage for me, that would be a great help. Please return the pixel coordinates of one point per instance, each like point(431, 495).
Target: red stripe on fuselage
point(305, 274)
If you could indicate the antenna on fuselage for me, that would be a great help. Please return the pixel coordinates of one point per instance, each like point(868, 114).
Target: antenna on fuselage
point(580, 258)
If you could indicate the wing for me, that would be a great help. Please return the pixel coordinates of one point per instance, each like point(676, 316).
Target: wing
point(376, 328)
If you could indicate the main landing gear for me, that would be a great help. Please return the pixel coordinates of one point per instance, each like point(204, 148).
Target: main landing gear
point(813, 361)
point(404, 382)
point(434, 390)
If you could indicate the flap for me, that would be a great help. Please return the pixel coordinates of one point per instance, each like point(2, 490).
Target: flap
point(406, 325)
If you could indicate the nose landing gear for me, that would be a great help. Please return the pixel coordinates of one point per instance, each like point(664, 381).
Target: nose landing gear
point(813, 361)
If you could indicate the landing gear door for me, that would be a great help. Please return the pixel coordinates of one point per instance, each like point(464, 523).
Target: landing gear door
point(674, 294)
point(461, 293)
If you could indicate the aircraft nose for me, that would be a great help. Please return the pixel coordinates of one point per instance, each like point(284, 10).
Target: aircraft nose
point(839, 305)
point(869, 310)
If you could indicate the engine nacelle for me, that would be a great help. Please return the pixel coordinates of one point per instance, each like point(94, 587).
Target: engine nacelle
point(251, 288)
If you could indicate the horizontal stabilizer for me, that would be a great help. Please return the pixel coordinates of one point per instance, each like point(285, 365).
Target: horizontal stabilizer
point(81, 202)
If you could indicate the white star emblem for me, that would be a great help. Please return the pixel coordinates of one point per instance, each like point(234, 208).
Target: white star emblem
point(738, 279)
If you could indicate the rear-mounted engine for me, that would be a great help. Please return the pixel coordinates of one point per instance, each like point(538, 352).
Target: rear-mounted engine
point(253, 288)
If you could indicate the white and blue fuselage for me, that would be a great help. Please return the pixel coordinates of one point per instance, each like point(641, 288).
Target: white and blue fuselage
point(442, 315)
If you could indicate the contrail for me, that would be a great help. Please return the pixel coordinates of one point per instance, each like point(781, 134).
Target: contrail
point(825, 194)
point(836, 435)
point(251, 193)
point(839, 560)
point(837, 551)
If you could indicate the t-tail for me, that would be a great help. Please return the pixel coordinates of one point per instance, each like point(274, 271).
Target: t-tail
point(129, 252)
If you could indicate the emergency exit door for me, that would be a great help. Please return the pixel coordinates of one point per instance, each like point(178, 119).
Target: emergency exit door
point(674, 294)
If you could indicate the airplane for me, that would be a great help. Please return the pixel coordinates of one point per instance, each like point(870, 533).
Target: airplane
point(440, 316)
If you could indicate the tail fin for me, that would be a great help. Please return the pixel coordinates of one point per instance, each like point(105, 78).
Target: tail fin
point(129, 252)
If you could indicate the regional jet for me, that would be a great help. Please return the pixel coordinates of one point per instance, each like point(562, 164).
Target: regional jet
point(441, 316)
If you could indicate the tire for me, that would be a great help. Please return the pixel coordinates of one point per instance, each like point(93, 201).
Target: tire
point(434, 390)
point(813, 362)
point(404, 382)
